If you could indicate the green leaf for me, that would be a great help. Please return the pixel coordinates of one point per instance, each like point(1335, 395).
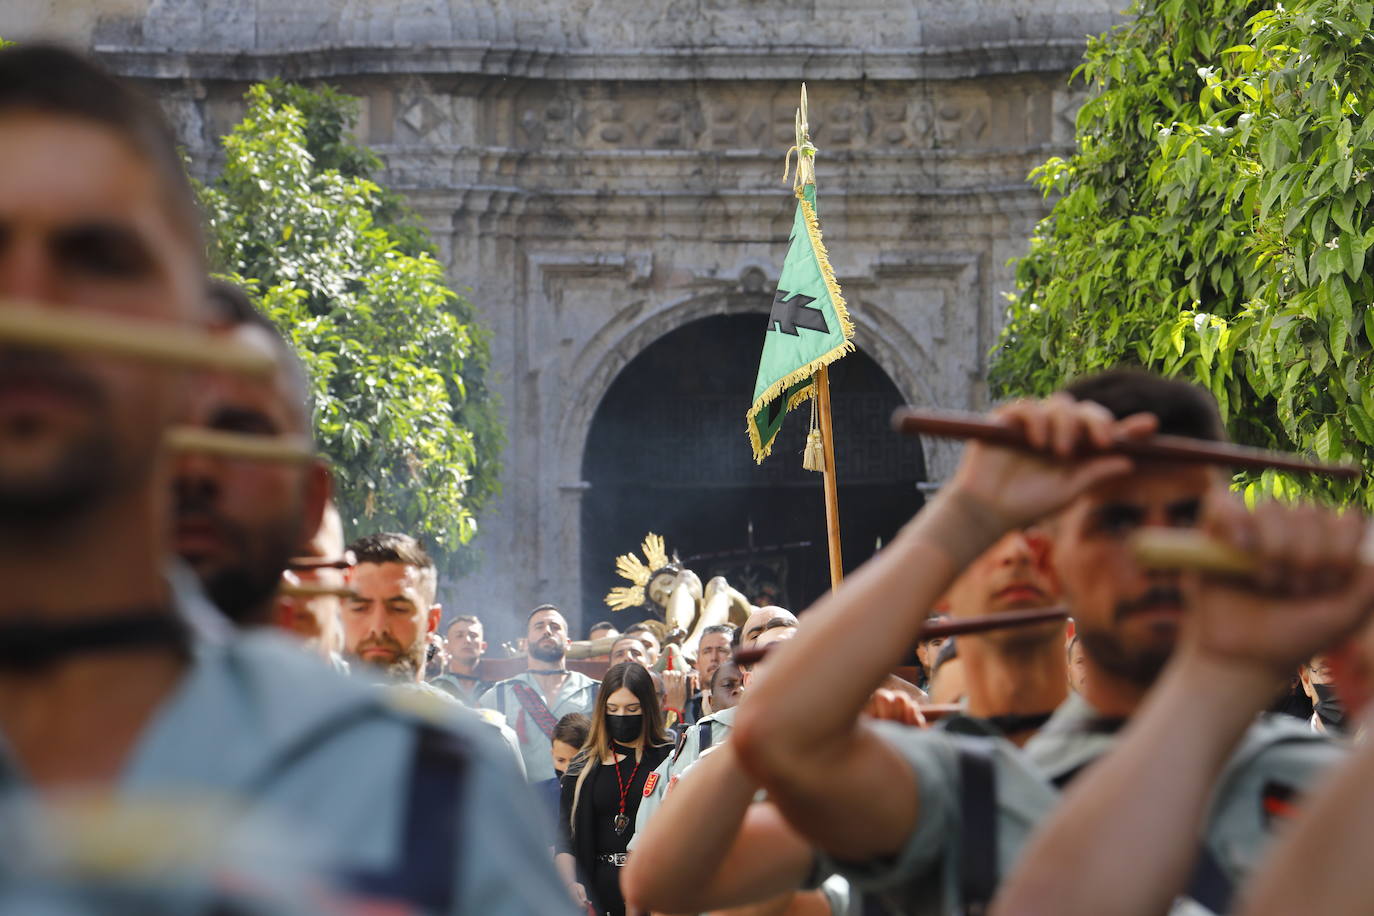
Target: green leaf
point(397, 360)
point(1326, 442)
point(1344, 169)
point(1241, 200)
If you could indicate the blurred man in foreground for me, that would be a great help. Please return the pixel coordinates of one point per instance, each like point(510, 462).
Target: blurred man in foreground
point(96, 216)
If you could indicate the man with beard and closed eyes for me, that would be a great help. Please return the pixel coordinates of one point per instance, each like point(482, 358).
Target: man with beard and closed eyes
point(117, 680)
point(388, 622)
point(238, 521)
point(535, 700)
point(392, 613)
point(930, 842)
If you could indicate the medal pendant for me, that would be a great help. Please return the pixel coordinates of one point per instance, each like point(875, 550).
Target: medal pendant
point(621, 823)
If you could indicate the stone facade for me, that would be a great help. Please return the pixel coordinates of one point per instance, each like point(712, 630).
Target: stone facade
point(601, 173)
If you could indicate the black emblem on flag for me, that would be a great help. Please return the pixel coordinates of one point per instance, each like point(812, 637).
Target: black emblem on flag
point(796, 312)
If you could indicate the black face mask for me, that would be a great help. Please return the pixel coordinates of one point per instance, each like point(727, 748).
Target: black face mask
point(624, 729)
point(1328, 708)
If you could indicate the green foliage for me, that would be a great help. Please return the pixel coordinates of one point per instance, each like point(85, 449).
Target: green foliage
point(397, 363)
point(1214, 223)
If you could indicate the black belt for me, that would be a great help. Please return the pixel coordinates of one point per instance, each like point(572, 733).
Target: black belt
point(617, 859)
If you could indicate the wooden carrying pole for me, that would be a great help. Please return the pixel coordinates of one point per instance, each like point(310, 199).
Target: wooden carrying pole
point(832, 490)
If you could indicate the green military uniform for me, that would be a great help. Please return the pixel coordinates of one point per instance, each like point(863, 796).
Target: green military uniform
point(385, 800)
point(962, 845)
point(578, 694)
point(706, 734)
point(463, 689)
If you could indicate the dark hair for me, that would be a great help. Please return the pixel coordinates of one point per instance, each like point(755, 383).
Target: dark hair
point(230, 304)
point(461, 618)
point(539, 610)
point(393, 547)
point(947, 651)
point(572, 729)
point(52, 80)
point(728, 663)
point(637, 679)
point(600, 625)
point(1183, 409)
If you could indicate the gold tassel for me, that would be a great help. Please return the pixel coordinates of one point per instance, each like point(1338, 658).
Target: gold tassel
point(813, 457)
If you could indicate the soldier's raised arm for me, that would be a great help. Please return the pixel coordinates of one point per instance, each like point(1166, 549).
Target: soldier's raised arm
point(837, 782)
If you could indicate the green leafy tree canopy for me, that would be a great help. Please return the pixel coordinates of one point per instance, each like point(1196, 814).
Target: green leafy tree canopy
point(1213, 224)
point(397, 363)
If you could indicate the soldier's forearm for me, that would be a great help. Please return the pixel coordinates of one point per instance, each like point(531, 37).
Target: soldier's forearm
point(811, 695)
point(702, 850)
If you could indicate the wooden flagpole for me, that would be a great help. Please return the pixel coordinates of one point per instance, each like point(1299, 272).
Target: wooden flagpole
point(806, 174)
point(832, 491)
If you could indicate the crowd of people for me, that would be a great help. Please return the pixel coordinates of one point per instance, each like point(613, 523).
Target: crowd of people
point(276, 720)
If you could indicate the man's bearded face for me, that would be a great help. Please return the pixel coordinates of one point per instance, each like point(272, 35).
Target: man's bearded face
point(84, 224)
point(386, 625)
point(1127, 617)
point(546, 637)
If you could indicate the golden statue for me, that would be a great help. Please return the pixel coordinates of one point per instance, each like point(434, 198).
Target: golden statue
point(674, 597)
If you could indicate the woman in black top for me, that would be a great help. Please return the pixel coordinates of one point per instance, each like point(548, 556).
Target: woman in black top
point(604, 785)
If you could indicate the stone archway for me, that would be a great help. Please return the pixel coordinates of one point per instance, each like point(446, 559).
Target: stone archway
point(666, 451)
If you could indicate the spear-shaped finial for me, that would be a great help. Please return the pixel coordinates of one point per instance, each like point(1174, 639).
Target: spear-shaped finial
point(805, 150)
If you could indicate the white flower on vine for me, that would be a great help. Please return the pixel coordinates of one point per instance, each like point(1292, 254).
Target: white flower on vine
point(1334, 243)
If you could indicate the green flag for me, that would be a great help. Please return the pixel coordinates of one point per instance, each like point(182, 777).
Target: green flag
point(808, 328)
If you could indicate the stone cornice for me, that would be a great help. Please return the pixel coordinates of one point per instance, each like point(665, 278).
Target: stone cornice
point(1048, 55)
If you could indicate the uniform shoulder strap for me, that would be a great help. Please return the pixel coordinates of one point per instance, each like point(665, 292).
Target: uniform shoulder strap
point(978, 841)
point(704, 736)
point(423, 871)
point(1209, 884)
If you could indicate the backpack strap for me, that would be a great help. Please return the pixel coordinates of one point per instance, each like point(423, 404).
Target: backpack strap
point(704, 736)
point(1209, 884)
point(978, 842)
point(422, 873)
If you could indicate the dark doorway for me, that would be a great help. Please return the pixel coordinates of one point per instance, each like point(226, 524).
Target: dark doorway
point(668, 453)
